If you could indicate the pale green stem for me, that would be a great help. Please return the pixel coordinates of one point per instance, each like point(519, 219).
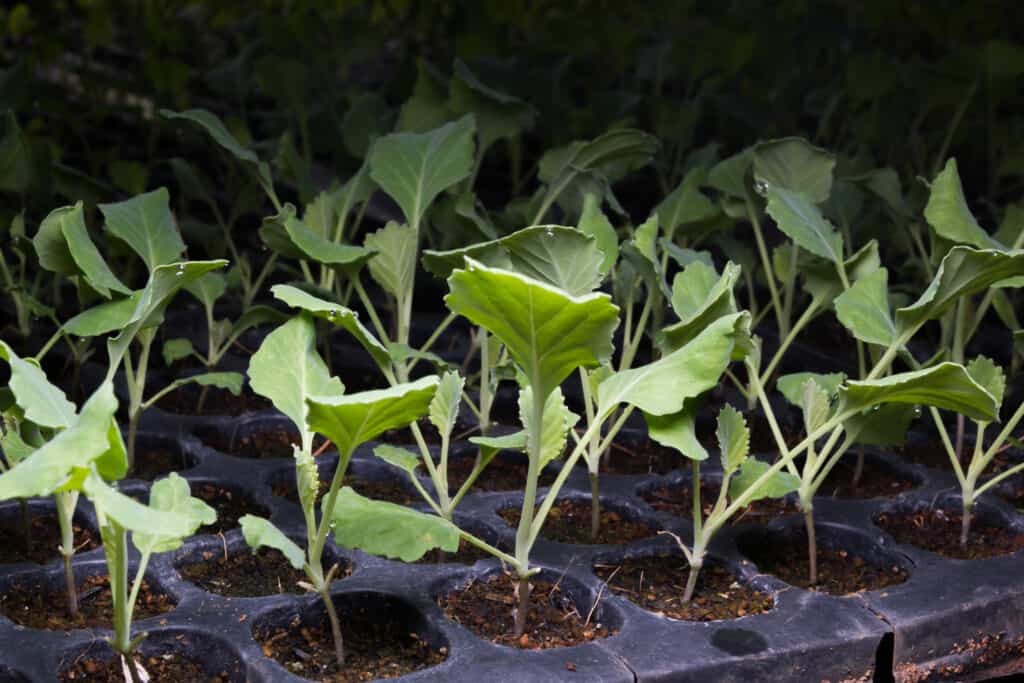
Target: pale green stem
point(370, 309)
point(766, 264)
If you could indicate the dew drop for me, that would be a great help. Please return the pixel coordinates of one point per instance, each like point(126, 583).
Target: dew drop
point(549, 233)
point(181, 269)
point(355, 314)
point(917, 411)
point(761, 187)
point(331, 313)
point(875, 409)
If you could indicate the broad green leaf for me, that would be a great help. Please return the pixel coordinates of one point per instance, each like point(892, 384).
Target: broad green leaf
point(145, 223)
point(86, 440)
point(444, 408)
point(498, 114)
point(751, 470)
point(791, 386)
point(556, 421)
point(208, 288)
point(394, 265)
point(886, 426)
point(548, 332)
point(822, 280)
point(795, 165)
point(401, 458)
point(288, 370)
point(814, 404)
point(413, 168)
point(138, 518)
point(337, 314)
point(103, 318)
point(64, 246)
point(729, 176)
point(733, 439)
point(612, 154)
point(399, 353)
point(699, 297)
point(427, 107)
point(230, 381)
point(42, 403)
point(864, 309)
point(390, 530)
point(946, 385)
point(176, 349)
point(164, 282)
point(963, 272)
point(948, 214)
point(216, 129)
point(594, 223)
point(660, 387)
point(492, 445)
point(678, 430)
point(804, 223)
point(259, 532)
point(16, 163)
point(684, 205)
point(349, 420)
point(989, 375)
point(294, 238)
point(172, 495)
point(560, 256)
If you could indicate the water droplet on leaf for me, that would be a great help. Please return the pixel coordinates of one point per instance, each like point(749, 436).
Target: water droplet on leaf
point(761, 187)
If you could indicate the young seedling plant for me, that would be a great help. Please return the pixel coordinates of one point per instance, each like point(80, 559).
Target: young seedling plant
point(288, 370)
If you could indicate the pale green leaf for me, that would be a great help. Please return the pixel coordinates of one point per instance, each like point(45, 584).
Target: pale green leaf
point(699, 297)
point(804, 223)
point(594, 223)
point(777, 486)
point(103, 318)
point(394, 265)
point(946, 385)
point(229, 381)
point(401, 458)
point(208, 288)
point(948, 214)
point(556, 421)
point(176, 349)
point(791, 386)
point(167, 528)
point(336, 314)
point(43, 403)
point(886, 426)
point(172, 495)
point(990, 375)
point(349, 420)
point(64, 246)
point(413, 168)
point(684, 205)
point(390, 530)
point(733, 439)
point(287, 370)
point(729, 176)
point(145, 223)
point(864, 309)
point(216, 129)
point(815, 405)
point(795, 165)
point(444, 408)
point(678, 430)
point(548, 332)
point(259, 532)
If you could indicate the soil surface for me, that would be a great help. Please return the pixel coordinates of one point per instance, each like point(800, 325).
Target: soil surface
point(658, 583)
point(34, 606)
point(569, 522)
point(275, 443)
point(645, 458)
point(938, 530)
point(466, 554)
point(231, 506)
point(371, 488)
point(43, 541)
point(373, 649)
point(171, 666)
point(486, 608)
point(933, 454)
point(876, 480)
point(246, 574)
point(499, 475)
point(154, 463)
point(677, 499)
point(183, 401)
point(839, 572)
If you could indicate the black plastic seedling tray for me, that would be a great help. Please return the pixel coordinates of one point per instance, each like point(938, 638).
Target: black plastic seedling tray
point(950, 620)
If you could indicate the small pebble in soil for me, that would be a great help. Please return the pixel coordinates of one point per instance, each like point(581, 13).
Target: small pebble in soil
point(658, 584)
point(568, 521)
point(486, 608)
point(938, 530)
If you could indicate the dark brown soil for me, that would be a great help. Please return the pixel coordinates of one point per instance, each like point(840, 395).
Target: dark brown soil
point(230, 506)
point(246, 574)
point(183, 401)
point(876, 481)
point(260, 445)
point(677, 499)
point(486, 608)
point(938, 530)
point(371, 488)
point(373, 649)
point(646, 458)
point(171, 666)
point(44, 539)
point(933, 454)
point(154, 463)
point(658, 583)
point(839, 572)
point(466, 554)
point(34, 606)
point(569, 522)
point(499, 475)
